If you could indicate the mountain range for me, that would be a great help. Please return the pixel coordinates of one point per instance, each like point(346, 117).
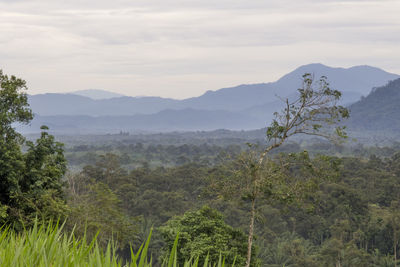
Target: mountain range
point(247, 106)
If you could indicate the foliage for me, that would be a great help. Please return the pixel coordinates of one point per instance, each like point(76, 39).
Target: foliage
point(95, 210)
point(203, 233)
point(50, 246)
point(133, 154)
point(289, 250)
point(30, 183)
point(350, 207)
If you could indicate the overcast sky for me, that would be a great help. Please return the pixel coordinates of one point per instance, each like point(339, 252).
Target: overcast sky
point(183, 48)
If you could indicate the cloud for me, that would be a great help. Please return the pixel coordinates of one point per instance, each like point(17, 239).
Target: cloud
point(182, 48)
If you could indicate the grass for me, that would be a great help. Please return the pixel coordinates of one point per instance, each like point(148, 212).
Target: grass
point(45, 246)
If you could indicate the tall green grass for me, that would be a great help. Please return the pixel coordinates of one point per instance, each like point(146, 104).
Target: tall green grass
point(49, 246)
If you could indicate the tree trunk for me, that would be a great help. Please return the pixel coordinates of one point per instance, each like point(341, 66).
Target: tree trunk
point(338, 263)
point(251, 231)
point(395, 247)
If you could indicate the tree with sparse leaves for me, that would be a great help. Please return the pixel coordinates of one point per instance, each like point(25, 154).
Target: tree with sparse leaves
point(313, 112)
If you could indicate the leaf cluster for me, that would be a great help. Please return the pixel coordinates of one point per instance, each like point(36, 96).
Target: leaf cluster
point(313, 112)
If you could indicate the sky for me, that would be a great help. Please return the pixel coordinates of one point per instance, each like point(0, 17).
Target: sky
point(182, 48)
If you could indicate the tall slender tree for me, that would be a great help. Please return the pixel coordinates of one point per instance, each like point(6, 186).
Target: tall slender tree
point(315, 111)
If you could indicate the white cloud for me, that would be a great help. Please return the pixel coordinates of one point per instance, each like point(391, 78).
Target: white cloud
point(183, 48)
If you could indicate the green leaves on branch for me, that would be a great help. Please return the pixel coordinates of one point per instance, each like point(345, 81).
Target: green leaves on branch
point(313, 112)
point(285, 178)
point(13, 105)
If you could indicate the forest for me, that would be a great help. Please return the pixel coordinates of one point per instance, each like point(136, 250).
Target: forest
point(188, 200)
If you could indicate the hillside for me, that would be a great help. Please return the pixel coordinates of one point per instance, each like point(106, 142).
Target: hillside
point(379, 111)
point(353, 82)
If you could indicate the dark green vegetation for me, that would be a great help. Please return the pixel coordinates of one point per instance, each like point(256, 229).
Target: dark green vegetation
point(350, 217)
point(337, 209)
point(204, 232)
point(48, 246)
point(30, 182)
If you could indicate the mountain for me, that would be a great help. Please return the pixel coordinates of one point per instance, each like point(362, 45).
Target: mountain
point(358, 79)
point(353, 82)
point(96, 94)
point(245, 106)
point(379, 111)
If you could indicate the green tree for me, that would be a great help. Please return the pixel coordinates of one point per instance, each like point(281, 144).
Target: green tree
point(336, 253)
point(13, 109)
point(394, 220)
point(204, 232)
point(41, 187)
point(96, 209)
point(289, 250)
point(30, 183)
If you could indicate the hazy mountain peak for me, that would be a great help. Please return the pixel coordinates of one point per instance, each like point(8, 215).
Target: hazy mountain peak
point(360, 79)
point(96, 94)
point(314, 65)
point(365, 67)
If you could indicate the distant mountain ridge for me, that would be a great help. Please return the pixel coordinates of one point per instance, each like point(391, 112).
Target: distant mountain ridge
point(96, 94)
point(349, 81)
point(252, 105)
point(69, 104)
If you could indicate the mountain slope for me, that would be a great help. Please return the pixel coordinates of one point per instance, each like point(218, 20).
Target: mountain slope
point(379, 111)
point(358, 79)
point(353, 82)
